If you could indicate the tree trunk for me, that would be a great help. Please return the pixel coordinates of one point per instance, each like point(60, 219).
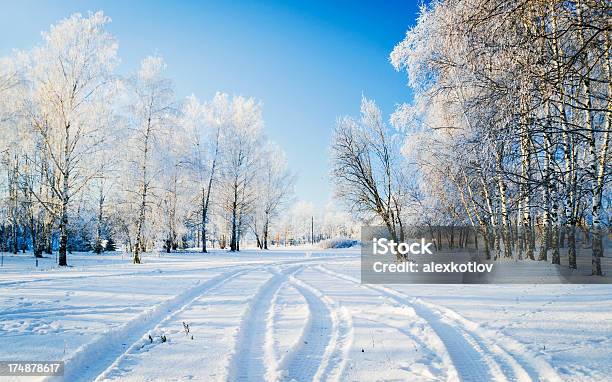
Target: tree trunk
point(568, 155)
point(546, 196)
point(265, 232)
point(65, 196)
point(554, 200)
point(526, 226)
point(204, 212)
point(63, 237)
point(233, 241)
point(600, 169)
point(13, 205)
point(98, 246)
point(569, 158)
point(206, 198)
point(594, 169)
point(141, 219)
point(143, 204)
point(506, 235)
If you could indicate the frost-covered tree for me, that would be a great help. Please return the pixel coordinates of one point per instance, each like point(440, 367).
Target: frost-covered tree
point(90, 159)
point(366, 168)
point(296, 224)
point(151, 112)
point(242, 142)
point(204, 125)
point(70, 81)
point(174, 188)
point(515, 100)
point(274, 190)
point(337, 223)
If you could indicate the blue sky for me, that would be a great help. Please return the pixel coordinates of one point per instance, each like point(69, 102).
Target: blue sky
point(308, 62)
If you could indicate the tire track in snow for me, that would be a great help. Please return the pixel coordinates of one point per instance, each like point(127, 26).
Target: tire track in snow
point(234, 274)
point(97, 358)
point(94, 360)
point(303, 361)
point(322, 350)
point(474, 357)
point(470, 360)
point(509, 351)
point(250, 361)
point(466, 360)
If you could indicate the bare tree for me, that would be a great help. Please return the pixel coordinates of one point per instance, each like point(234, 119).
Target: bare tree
point(365, 167)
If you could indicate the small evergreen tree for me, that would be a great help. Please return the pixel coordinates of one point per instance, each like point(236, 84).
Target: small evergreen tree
point(110, 245)
point(98, 247)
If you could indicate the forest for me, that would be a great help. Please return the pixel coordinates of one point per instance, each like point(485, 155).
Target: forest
point(508, 130)
point(96, 161)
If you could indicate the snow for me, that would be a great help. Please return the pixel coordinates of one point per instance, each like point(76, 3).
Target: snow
point(292, 315)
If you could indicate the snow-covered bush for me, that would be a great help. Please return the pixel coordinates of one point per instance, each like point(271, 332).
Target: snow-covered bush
point(338, 242)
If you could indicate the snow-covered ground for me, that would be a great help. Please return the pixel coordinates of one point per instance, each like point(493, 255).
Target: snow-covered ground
point(293, 315)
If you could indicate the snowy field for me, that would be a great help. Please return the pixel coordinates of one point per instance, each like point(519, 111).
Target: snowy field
point(293, 315)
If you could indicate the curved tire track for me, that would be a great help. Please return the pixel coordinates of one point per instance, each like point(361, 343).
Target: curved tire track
point(93, 360)
point(509, 353)
point(475, 357)
point(249, 360)
point(323, 349)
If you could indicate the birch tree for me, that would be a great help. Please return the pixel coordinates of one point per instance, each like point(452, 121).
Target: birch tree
point(530, 84)
point(71, 79)
point(242, 145)
point(151, 112)
point(365, 168)
point(205, 124)
point(274, 191)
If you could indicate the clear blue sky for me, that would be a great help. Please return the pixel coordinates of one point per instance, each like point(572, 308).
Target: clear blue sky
point(308, 62)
